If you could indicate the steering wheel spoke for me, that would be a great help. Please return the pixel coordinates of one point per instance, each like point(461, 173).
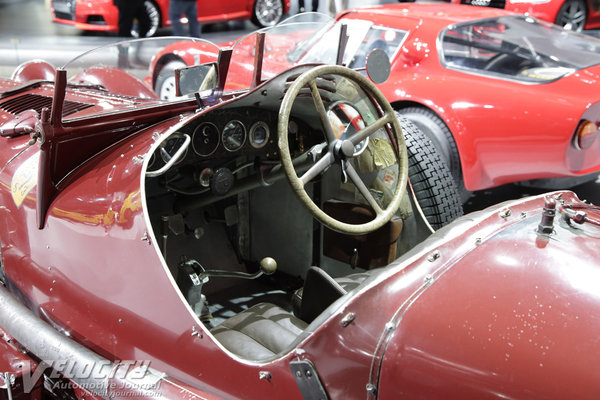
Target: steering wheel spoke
point(371, 129)
point(362, 188)
point(318, 100)
point(316, 169)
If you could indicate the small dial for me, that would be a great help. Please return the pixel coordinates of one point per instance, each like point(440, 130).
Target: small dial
point(205, 139)
point(169, 147)
point(234, 135)
point(259, 134)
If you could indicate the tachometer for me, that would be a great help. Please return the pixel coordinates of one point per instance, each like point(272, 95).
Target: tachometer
point(205, 139)
point(234, 135)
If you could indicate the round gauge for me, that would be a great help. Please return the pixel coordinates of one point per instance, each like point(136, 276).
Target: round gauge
point(169, 147)
point(234, 135)
point(259, 134)
point(205, 139)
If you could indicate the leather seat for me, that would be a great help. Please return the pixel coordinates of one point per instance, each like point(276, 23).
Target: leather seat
point(260, 332)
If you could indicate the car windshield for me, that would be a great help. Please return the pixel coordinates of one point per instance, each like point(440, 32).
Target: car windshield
point(309, 38)
point(518, 48)
point(129, 71)
point(134, 56)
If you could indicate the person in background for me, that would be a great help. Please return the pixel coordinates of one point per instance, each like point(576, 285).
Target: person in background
point(315, 5)
point(189, 9)
point(128, 10)
point(335, 6)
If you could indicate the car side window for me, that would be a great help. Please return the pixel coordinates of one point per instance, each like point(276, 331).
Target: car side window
point(388, 40)
point(509, 48)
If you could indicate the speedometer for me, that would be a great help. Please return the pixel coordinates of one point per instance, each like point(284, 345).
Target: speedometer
point(234, 135)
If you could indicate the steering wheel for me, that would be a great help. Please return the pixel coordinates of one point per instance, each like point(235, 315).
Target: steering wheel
point(343, 150)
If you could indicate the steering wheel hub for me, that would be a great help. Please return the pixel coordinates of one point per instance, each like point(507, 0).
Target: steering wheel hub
point(343, 149)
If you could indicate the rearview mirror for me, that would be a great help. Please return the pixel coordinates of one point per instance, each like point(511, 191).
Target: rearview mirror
point(378, 66)
point(196, 78)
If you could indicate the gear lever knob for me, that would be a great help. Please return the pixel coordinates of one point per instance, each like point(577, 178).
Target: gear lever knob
point(268, 265)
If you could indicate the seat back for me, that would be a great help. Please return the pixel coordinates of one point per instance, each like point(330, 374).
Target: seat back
point(320, 290)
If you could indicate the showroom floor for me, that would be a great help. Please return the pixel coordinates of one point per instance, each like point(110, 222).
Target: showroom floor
point(27, 32)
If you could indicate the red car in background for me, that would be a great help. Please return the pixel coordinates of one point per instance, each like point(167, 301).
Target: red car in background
point(576, 15)
point(102, 15)
point(503, 97)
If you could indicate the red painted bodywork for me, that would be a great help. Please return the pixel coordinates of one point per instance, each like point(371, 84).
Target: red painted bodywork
point(87, 11)
point(503, 135)
point(484, 308)
point(548, 10)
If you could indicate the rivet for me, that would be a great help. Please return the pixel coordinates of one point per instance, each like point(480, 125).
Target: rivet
point(428, 279)
point(371, 388)
point(347, 320)
point(434, 256)
point(505, 214)
point(264, 375)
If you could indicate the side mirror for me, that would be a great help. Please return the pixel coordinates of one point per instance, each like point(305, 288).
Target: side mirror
point(196, 78)
point(378, 66)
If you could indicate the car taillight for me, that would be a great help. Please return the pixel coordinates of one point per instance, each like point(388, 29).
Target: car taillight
point(585, 135)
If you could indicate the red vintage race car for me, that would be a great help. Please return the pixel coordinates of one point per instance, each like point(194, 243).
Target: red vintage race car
point(504, 98)
point(262, 243)
point(576, 15)
point(102, 15)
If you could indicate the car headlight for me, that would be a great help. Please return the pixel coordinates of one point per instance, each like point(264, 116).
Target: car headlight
point(585, 135)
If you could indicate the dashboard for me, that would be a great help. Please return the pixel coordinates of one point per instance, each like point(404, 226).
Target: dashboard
point(207, 153)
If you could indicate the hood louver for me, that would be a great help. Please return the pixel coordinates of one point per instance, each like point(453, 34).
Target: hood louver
point(30, 101)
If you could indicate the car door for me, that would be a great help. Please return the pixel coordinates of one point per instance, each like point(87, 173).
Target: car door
point(223, 10)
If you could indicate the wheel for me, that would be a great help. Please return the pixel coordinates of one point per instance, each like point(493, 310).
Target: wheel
point(267, 12)
point(154, 17)
point(165, 81)
point(572, 15)
point(430, 178)
point(354, 98)
point(436, 130)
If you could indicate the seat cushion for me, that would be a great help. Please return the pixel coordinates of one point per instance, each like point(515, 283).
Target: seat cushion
point(260, 332)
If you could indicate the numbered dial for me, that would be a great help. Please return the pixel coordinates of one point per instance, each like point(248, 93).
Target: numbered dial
point(205, 139)
point(259, 134)
point(169, 147)
point(234, 135)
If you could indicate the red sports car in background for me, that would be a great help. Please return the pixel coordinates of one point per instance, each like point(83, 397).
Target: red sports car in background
point(576, 15)
point(504, 97)
point(102, 15)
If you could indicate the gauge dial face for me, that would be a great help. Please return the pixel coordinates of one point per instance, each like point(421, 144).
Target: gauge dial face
point(169, 147)
point(234, 135)
point(205, 139)
point(259, 134)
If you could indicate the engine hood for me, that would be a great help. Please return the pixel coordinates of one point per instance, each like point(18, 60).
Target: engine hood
point(514, 316)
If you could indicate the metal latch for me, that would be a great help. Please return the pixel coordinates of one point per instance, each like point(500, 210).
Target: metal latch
point(308, 381)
